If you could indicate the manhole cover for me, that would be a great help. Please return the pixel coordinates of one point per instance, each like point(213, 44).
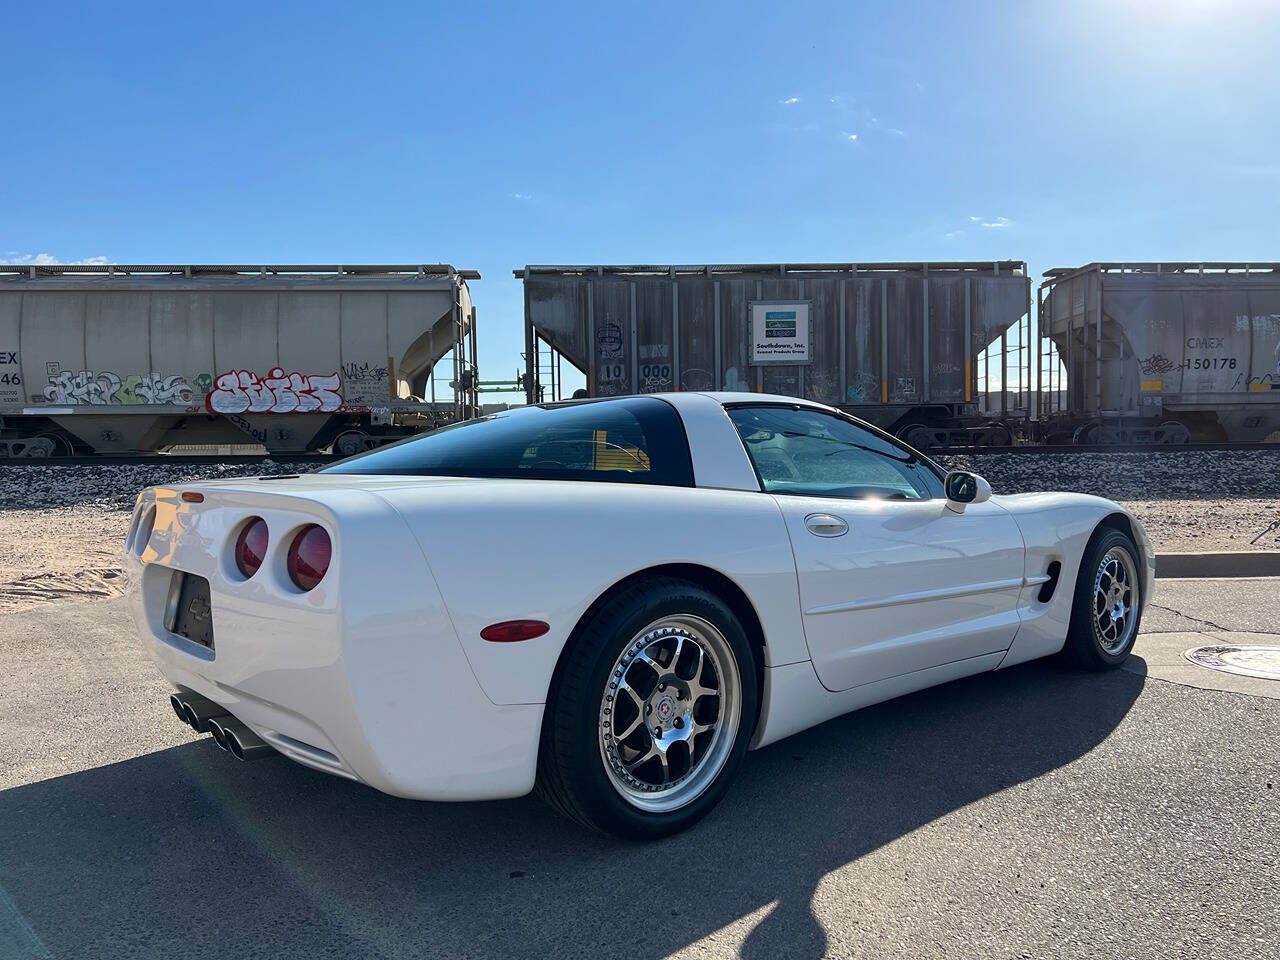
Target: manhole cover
point(1248, 660)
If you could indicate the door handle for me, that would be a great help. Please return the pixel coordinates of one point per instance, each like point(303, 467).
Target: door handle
point(825, 525)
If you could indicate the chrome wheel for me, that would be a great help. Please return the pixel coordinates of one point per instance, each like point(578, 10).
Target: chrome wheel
point(1115, 601)
point(669, 713)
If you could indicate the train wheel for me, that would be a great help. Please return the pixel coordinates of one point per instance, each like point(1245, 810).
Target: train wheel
point(1000, 436)
point(1173, 433)
point(1086, 434)
point(61, 445)
point(917, 435)
point(352, 442)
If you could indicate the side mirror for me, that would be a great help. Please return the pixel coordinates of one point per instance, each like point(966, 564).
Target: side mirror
point(964, 488)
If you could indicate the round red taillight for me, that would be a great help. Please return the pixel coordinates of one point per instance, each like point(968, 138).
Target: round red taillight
point(309, 556)
point(251, 547)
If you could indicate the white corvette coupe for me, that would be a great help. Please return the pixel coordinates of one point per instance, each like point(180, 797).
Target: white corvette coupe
point(608, 600)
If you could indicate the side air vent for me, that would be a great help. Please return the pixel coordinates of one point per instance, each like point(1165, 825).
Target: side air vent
point(1047, 588)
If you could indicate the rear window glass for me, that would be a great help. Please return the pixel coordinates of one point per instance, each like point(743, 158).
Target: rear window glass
point(638, 440)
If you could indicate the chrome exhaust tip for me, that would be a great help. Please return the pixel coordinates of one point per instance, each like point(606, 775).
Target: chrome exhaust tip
point(196, 711)
point(219, 735)
point(242, 742)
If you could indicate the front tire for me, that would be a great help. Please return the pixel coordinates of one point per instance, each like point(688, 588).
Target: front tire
point(1107, 607)
point(651, 712)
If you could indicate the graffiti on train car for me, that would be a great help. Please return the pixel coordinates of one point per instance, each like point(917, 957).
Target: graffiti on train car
point(243, 391)
point(83, 386)
point(363, 381)
point(1154, 364)
point(106, 388)
point(158, 388)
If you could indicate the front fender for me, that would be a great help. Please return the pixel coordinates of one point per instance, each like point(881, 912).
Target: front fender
point(1058, 526)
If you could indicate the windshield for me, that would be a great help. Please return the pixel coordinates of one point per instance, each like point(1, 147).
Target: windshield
point(636, 440)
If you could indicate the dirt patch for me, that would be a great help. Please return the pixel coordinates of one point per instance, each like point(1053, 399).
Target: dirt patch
point(62, 529)
point(60, 552)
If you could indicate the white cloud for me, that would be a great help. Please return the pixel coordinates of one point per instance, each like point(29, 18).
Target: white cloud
point(986, 223)
point(995, 223)
point(894, 131)
point(853, 137)
point(789, 101)
point(522, 196)
point(48, 260)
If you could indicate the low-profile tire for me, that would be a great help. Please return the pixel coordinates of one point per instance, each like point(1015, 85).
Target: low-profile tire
point(1107, 606)
point(677, 649)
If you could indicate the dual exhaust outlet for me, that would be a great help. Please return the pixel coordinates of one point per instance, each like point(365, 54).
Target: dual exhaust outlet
point(204, 716)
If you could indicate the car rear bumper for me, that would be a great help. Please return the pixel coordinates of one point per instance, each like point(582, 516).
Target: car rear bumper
point(354, 678)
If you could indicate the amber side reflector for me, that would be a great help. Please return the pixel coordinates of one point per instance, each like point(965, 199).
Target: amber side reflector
point(511, 631)
point(190, 496)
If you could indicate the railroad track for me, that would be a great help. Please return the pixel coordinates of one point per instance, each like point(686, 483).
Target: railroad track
point(1101, 448)
point(164, 459)
point(324, 458)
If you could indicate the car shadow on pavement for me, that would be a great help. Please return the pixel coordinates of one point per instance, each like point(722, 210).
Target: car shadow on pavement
point(185, 852)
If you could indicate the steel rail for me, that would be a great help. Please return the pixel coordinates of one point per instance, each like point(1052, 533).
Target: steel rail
point(162, 459)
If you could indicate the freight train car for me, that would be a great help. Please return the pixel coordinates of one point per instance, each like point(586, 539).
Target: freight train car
point(900, 344)
point(1160, 352)
point(119, 359)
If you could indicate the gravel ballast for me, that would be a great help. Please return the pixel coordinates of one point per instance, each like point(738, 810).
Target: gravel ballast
point(61, 527)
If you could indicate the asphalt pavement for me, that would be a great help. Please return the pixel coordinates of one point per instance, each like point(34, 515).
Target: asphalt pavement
point(1033, 812)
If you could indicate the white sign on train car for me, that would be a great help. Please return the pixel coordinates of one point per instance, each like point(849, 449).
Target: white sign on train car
point(780, 332)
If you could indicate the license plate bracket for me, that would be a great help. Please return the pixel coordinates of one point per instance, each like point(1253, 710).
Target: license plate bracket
point(189, 613)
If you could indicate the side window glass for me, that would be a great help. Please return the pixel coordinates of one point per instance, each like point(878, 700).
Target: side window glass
point(811, 453)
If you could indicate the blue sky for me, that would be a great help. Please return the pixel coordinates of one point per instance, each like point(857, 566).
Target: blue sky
point(493, 135)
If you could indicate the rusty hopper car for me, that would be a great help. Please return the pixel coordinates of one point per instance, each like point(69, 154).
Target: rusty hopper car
point(1160, 352)
point(898, 344)
point(119, 359)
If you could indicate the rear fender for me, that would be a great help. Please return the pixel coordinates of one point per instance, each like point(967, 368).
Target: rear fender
point(547, 550)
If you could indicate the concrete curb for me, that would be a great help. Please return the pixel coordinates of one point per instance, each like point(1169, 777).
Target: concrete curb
point(1236, 563)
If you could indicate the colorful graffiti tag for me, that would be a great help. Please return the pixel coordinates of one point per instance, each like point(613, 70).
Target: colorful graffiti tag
point(158, 388)
point(236, 391)
point(242, 391)
point(85, 387)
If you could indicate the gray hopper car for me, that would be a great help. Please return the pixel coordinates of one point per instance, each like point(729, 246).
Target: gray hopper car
point(122, 359)
point(894, 343)
point(1160, 352)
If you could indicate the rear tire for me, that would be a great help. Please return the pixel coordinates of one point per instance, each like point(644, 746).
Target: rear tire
point(662, 670)
point(1106, 611)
